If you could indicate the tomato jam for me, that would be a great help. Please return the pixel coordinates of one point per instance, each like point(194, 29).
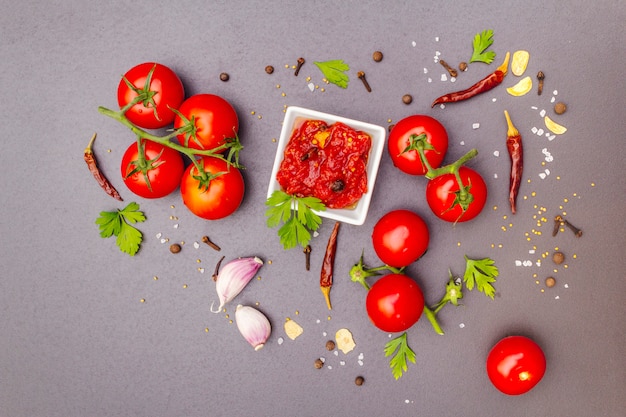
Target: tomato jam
point(326, 161)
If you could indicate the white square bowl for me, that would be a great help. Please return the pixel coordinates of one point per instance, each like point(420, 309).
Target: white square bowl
point(358, 214)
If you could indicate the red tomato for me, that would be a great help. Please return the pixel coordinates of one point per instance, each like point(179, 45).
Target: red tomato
point(394, 303)
point(215, 120)
point(442, 195)
point(163, 91)
point(164, 167)
point(224, 193)
point(515, 365)
point(400, 238)
point(436, 138)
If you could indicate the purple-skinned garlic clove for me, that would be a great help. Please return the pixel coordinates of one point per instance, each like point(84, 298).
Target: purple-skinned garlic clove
point(253, 325)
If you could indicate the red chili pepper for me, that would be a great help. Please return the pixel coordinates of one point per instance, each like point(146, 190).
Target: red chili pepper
point(492, 80)
point(514, 146)
point(326, 277)
point(104, 183)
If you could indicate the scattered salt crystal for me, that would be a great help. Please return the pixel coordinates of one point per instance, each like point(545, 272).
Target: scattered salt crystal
point(158, 235)
point(360, 362)
point(311, 86)
point(494, 99)
point(406, 401)
point(542, 113)
point(532, 251)
point(545, 151)
point(201, 270)
point(196, 245)
point(550, 138)
point(425, 70)
point(316, 234)
point(163, 240)
point(442, 106)
point(280, 340)
point(342, 363)
point(444, 77)
point(518, 263)
point(414, 44)
point(538, 263)
point(542, 175)
point(557, 297)
point(330, 367)
point(528, 263)
point(437, 39)
point(430, 80)
point(475, 125)
point(555, 92)
point(361, 354)
point(547, 171)
point(452, 79)
point(323, 359)
point(336, 353)
point(534, 130)
point(437, 53)
point(324, 334)
point(318, 321)
point(462, 143)
point(176, 226)
point(534, 107)
point(495, 175)
point(553, 99)
point(496, 153)
point(462, 325)
point(540, 132)
point(566, 286)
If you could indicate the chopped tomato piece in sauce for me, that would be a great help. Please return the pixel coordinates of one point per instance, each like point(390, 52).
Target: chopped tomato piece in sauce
point(326, 161)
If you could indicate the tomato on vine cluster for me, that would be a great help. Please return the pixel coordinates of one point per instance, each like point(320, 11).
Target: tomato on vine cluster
point(417, 146)
point(205, 130)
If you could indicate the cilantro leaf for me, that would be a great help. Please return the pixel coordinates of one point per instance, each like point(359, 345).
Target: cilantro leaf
point(334, 71)
point(401, 354)
point(482, 273)
point(297, 227)
point(118, 223)
point(482, 41)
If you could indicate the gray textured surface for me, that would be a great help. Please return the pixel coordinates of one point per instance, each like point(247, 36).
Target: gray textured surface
point(76, 341)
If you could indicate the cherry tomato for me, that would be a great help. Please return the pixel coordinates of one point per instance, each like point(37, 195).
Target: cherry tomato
point(163, 92)
point(215, 120)
point(442, 195)
point(436, 138)
point(515, 365)
point(164, 167)
point(400, 238)
point(394, 303)
point(223, 195)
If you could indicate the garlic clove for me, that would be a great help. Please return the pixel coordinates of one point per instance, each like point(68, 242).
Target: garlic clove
point(253, 325)
point(233, 277)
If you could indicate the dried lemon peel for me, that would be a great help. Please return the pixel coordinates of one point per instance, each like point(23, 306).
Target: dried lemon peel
point(519, 62)
point(292, 329)
point(345, 341)
point(522, 87)
point(554, 127)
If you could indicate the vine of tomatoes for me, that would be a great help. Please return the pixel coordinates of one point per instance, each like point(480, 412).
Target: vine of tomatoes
point(205, 130)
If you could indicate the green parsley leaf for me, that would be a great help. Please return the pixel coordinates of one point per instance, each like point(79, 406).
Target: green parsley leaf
point(402, 354)
point(334, 71)
point(297, 227)
point(482, 41)
point(481, 272)
point(118, 223)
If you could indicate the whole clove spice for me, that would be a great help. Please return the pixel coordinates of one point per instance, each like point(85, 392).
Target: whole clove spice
point(448, 68)
point(307, 257)
point(361, 76)
point(298, 66)
point(540, 77)
point(206, 240)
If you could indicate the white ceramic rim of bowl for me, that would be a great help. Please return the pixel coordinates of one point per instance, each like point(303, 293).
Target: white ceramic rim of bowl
point(358, 214)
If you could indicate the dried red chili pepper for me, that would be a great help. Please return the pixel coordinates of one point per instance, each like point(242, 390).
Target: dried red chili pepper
point(326, 277)
point(104, 183)
point(492, 80)
point(516, 154)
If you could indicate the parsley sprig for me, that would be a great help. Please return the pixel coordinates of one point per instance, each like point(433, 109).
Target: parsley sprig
point(335, 71)
point(118, 223)
point(481, 273)
point(297, 216)
point(401, 354)
point(482, 41)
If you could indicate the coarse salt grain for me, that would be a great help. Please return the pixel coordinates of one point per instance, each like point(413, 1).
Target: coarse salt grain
point(452, 79)
point(542, 175)
point(430, 80)
point(534, 107)
point(360, 362)
point(462, 325)
point(534, 130)
point(425, 70)
point(496, 153)
point(557, 297)
point(540, 132)
point(462, 143)
point(551, 137)
point(342, 363)
point(518, 263)
point(196, 245)
point(163, 240)
point(542, 113)
point(547, 171)
point(158, 235)
point(280, 340)
point(444, 77)
point(553, 100)
point(495, 175)
point(330, 367)
point(555, 92)
point(414, 44)
point(336, 353)
point(494, 99)
point(311, 86)
point(475, 125)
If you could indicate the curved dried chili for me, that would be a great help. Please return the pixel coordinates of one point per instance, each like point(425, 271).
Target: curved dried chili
point(326, 276)
point(514, 146)
point(92, 164)
point(492, 80)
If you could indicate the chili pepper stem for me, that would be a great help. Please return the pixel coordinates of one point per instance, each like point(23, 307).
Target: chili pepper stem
point(326, 293)
point(89, 148)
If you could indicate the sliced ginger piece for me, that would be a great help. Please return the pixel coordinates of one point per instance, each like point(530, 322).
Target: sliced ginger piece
point(522, 87)
point(292, 329)
point(554, 127)
point(345, 341)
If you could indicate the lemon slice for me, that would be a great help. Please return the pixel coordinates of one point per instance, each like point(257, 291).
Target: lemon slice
point(554, 127)
point(519, 62)
point(522, 87)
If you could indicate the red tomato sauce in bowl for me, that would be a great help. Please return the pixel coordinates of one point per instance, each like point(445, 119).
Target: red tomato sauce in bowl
point(326, 161)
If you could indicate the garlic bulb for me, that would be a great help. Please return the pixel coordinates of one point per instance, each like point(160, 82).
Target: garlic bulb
point(233, 277)
point(253, 325)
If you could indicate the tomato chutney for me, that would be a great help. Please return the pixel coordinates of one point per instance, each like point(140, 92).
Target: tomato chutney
point(326, 161)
